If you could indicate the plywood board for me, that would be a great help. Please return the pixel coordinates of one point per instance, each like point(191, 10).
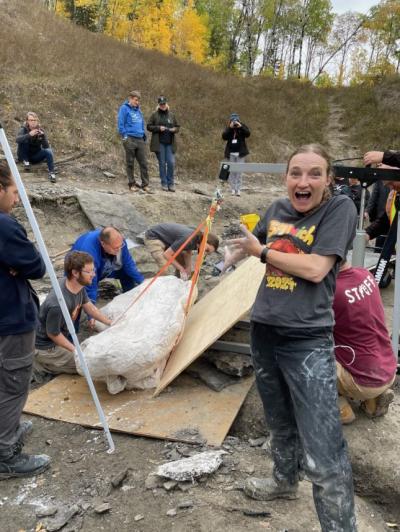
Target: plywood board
point(187, 411)
point(214, 315)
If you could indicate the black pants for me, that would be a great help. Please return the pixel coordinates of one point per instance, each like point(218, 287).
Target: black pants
point(135, 148)
point(16, 357)
point(296, 379)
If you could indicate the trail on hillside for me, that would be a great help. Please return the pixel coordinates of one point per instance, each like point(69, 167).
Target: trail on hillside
point(338, 139)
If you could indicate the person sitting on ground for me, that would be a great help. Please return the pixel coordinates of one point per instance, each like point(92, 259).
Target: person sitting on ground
point(164, 126)
point(235, 133)
point(33, 146)
point(54, 349)
point(365, 363)
point(111, 259)
point(164, 239)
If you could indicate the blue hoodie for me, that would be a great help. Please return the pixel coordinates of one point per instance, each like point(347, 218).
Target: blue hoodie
point(105, 264)
point(18, 301)
point(131, 122)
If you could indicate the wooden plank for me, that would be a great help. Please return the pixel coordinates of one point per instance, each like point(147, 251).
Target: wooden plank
point(188, 411)
point(214, 315)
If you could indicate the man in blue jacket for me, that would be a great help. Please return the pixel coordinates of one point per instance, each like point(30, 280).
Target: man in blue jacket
point(131, 127)
point(111, 259)
point(19, 262)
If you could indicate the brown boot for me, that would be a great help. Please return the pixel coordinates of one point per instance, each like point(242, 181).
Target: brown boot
point(346, 412)
point(378, 406)
point(267, 489)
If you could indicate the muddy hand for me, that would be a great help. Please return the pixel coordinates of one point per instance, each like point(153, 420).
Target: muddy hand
point(248, 244)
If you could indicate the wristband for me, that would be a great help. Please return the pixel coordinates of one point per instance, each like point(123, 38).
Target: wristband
point(264, 255)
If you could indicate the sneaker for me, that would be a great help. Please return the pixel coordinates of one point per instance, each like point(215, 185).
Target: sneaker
point(171, 189)
point(147, 190)
point(23, 465)
point(268, 489)
point(379, 406)
point(165, 189)
point(133, 187)
point(27, 165)
point(233, 193)
point(52, 177)
point(238, 193)
point(347, 415)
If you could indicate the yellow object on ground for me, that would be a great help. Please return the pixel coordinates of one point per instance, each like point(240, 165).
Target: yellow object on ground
point(249, 220)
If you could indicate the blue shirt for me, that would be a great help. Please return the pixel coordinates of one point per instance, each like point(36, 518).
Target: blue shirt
point(131, 122)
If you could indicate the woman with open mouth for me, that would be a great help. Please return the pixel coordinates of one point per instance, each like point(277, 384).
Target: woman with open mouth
point(301, 240)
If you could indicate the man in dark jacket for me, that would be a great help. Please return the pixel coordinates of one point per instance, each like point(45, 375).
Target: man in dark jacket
point(131, 127)
point(236, 150)
point(33, 146)
point(19, 261)
point(163, 126)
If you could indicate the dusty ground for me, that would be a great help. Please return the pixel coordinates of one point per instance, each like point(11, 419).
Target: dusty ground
point(82, 471)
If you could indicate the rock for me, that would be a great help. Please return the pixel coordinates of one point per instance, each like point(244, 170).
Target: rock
point(185, 504)
point(62, 519)
point(256, 513)
point(206, 372)
point(102, 508)
point(153, 481)
point(234, 364)
point(118, 479)
point(173, 455)
point(85, 506)
point(109, 174)
point(193, 467)
point(46, 511)
point(138, 517)
point(257, 442)
point(170, 485)
point(172, 512)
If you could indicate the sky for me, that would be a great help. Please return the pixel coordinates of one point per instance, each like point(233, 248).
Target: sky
point(361, 6)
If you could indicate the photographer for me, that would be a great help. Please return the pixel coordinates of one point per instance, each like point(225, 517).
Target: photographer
point(163, 126)
point(236, 149)
point(33, 146)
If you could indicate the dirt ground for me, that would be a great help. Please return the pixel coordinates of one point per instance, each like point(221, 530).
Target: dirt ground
point(83, 479)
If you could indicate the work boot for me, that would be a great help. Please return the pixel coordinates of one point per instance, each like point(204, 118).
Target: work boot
point(25, 427)
point(268, 489)
point(171, 188)
point(347, 415)
point(147, 190)
point(165, 189)
point(52, 177)
point(27, 165)
point(23, 465)
point(378, 406)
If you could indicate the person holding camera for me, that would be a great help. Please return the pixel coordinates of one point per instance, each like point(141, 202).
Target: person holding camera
point(236, 150)
point(163, 127)
point(33, 146)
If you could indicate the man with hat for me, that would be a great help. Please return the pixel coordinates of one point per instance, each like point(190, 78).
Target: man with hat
point(236, 150)
point(131, 127)
point(163, 127)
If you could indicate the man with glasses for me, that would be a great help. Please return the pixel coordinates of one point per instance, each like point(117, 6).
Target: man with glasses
point(33, 146)
point(54, 349)
point(111, 259)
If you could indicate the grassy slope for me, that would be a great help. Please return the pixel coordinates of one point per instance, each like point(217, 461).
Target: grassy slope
point(76, 81)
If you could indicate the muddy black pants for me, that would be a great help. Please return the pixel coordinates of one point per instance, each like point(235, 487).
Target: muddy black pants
point(16, 357)
point(136, 149)
point(296, 379)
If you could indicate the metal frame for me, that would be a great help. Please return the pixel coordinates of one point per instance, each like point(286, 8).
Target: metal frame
point(52, 274)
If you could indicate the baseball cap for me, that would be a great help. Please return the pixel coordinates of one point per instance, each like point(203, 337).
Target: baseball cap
point(234, 116)
point(162, 99)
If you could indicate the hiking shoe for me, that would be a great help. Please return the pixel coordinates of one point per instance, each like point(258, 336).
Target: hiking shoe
point(23, 465)
point(165, 189)
point(133, 187)
point(171, 189)
point(52, 177)
point(268, 489)
point(378, 406)
point(233, 193)
point(27, 165)
point(147, 190)
point(238, 193)
point(347, 415)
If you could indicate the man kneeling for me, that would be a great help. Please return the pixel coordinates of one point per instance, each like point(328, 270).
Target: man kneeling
point(55, 352)
point(365, 363)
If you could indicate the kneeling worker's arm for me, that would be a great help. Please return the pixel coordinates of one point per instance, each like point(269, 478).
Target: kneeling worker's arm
point(95, 313)
point(61, 341)
point(168, 254)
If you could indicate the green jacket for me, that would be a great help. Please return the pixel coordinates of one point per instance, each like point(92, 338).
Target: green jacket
point(157, 119)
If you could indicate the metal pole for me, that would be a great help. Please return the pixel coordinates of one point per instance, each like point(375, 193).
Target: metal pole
point(359, 243)
point(396, 301)
point(50, 270)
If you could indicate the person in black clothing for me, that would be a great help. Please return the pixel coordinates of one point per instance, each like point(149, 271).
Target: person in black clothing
point(236, 149)
point(355, 193)
point(19, 262)
point(163, 126)
point(376, 208)
point(33, 145)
